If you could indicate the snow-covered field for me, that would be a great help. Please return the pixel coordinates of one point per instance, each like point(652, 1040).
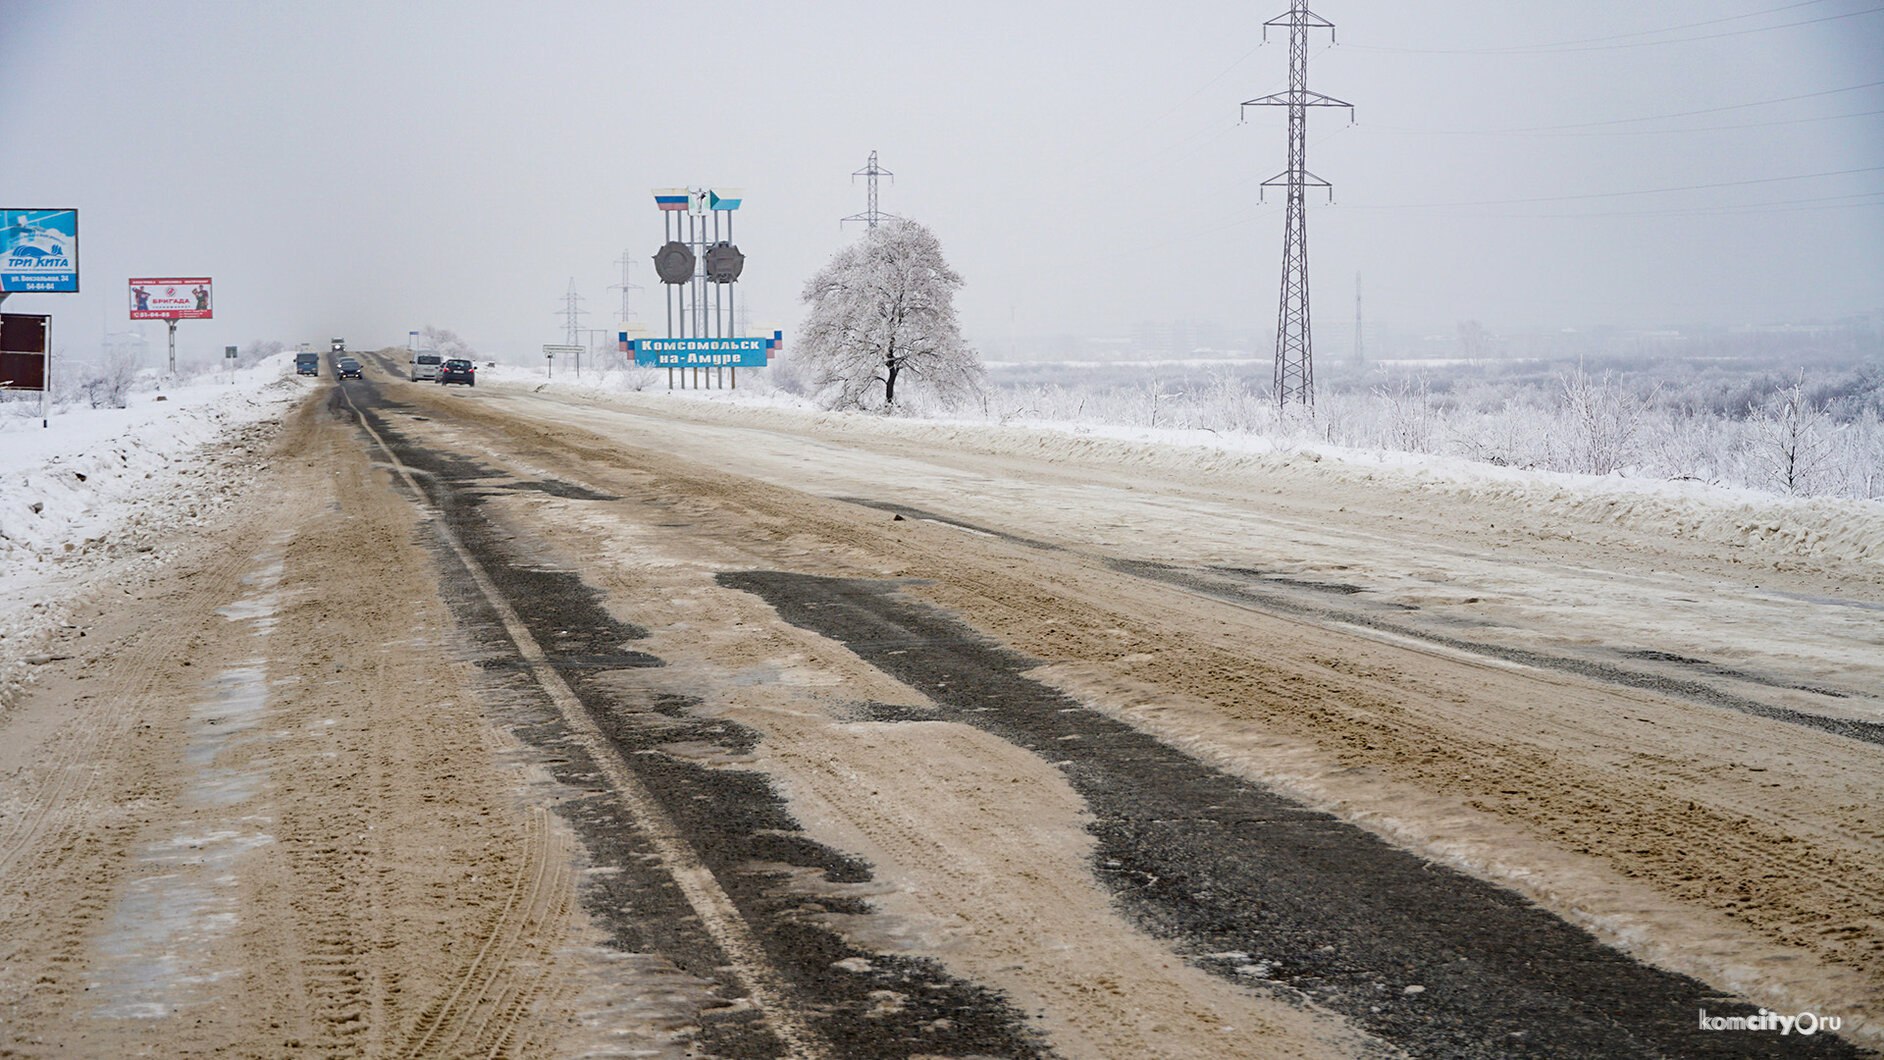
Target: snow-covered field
point(92, 496)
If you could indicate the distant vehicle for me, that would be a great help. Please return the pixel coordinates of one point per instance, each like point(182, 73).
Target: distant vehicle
point(307, 364)
point(337, 346)
point(425, 365)
point(458, 370)
point(348, 368)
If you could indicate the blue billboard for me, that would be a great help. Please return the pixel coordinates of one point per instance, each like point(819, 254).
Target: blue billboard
point(39, 250)
point(701, 353)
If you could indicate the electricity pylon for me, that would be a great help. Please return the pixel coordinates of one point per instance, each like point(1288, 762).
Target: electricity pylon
point(872, 215)
point(1295, 363)
point(572, 313)
point(624, 286)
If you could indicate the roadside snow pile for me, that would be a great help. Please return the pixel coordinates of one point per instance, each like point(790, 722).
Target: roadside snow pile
point(1752, 525)
point(1764, 527)
point(94, 494)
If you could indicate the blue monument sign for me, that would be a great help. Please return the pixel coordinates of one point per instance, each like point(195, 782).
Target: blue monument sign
point(39, 251)
point(700, 353)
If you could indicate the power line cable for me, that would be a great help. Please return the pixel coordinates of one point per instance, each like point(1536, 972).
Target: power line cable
point(1620, 132)
point(1148, 157)
point(1807, 205)
point(1562, 49)
point(1620, 194)
point(1817, 202)
point(1653, 117)
point(1685, 25)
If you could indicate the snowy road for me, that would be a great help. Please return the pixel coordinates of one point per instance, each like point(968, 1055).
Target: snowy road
point(537, 723)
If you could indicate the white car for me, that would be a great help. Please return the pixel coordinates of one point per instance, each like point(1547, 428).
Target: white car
point(425, 366)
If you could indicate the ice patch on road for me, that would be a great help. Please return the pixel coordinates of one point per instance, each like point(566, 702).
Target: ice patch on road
point(160, 935)
point(159, 932)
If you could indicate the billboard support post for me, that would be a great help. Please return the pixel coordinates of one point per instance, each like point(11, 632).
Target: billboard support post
point(173, 347)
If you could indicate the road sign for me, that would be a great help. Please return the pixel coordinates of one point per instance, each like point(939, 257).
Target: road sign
point(552, 349)
point(229, 353)
point(39, 251)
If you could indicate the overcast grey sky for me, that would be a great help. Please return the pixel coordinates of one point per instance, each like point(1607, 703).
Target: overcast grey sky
point(361, 169)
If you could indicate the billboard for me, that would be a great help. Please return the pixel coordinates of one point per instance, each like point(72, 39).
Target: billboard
point(23, 350)
point(39, 251)
point(171, 298)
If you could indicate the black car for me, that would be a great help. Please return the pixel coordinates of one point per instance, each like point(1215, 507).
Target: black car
point(348, 368)
point(458, 370)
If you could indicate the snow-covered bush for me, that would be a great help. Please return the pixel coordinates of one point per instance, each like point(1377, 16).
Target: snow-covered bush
point(1601, 418)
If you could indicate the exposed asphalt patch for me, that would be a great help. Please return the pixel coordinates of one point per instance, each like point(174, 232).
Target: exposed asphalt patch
point(1308, 599)
point(1338, 588)
point(1209, 582)
point(907, 512)
point(731, 817)
point(1718, 670)
point(559, 488)
point(1220, 865)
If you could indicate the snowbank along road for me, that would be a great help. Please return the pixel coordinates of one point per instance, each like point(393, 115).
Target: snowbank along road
point(505, 722)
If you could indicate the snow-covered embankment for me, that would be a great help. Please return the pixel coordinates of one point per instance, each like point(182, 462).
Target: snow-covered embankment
point(92, 497)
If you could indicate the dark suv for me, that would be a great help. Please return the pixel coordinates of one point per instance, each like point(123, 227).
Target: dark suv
point(458, 370)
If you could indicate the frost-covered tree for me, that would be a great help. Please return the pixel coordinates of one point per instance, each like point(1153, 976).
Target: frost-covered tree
point(882, 311)
point(445, 342)
point(1474, 341)
point(1791, 439)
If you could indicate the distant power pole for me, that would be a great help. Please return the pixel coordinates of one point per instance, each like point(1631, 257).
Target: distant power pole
point(624, 286)
point(572, 314)
point(1295, 366)
point(872, 215)
point(1359, 356)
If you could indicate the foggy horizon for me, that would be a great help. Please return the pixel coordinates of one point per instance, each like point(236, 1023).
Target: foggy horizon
point(362, 171)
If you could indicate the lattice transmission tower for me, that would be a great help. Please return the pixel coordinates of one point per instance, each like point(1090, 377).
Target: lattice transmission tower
point(625, 285)
point(871, 171)
point(1295, 363)
point(572, 314)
